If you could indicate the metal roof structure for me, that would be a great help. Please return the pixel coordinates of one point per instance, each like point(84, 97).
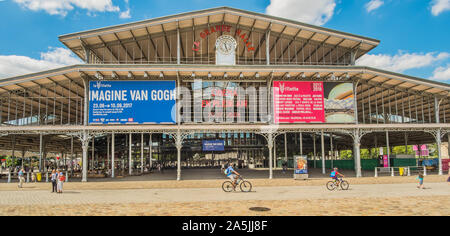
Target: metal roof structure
point(115, 43)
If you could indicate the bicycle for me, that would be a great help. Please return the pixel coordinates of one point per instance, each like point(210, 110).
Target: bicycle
point(334, 184)
point(244, 185)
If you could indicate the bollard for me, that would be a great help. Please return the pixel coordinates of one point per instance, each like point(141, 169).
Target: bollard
point(9, 177)
point(376, 172)
point(392, 171)
point(46, 177)
point(67, 176)
point(28, 177)
point(424, 171)
point(409, 171)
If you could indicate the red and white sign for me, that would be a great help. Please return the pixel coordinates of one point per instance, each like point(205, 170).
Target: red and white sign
point(298, 102)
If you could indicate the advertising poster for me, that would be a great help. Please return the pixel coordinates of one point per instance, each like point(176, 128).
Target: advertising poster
point(385, 161)
point(313, 102)
point(301, 165)
point(298, 102)
point(213, 145)
point(132, 102)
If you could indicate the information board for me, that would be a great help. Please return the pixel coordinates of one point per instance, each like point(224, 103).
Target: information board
point(132, 102)
point(213, 145)
point(301, 167)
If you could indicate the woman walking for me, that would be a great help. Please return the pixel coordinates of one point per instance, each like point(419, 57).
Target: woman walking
point(61, 179)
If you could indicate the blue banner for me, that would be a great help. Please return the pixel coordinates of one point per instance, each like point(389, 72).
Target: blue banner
point(213, 145)
point(132, 102)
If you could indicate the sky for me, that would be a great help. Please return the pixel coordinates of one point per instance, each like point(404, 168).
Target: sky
point(414, 34)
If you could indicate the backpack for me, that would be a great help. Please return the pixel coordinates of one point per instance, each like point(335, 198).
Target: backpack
point(333, 174)
point(227, 171)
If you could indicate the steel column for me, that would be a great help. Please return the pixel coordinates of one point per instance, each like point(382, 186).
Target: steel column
point(130, 161)
point(113, 154)
point(270, 145)
point(323, 151)
point(142, 152)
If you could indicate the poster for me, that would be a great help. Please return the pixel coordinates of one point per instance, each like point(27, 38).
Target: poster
point(298, 102)
point(132, 102)
point(385, 161)
point(313, 102)
point(213, 145)
point(301, 165)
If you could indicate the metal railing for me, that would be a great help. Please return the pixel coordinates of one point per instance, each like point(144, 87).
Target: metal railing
point(400, 171)
point(28, 176)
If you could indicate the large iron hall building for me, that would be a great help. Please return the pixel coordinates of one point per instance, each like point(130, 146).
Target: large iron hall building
point(214, 86)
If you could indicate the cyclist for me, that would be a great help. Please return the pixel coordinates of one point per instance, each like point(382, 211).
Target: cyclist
point(232, 174)
point(335, 175)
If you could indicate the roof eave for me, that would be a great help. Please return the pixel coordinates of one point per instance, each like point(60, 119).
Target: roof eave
point(68, 37)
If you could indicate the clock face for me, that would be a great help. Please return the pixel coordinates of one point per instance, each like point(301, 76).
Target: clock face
point(226, 44)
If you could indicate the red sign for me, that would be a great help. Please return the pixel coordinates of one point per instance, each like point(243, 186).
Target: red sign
point(224, 28)
point(298, 102)
point(385, 161)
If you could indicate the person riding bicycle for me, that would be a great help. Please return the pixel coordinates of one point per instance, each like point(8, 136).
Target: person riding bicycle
point(335, 175)
point(232, 174)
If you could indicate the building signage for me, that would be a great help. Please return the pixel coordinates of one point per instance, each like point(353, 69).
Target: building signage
point(132, 102)
point(213, 145)
point(313, 102)
point(224, 29)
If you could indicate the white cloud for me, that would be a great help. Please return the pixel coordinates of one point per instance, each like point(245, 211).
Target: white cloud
point(402, 61)
point(125, 14)
point(373, 5)
point(62, 7)
point(439, 6)
point(13, 65)
point(317, 12)
point(441, 73)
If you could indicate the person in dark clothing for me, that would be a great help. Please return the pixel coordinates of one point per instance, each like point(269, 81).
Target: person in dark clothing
point(54, 178)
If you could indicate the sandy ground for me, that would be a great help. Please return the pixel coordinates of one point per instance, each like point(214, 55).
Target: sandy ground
point(404, 206)
point(164, 184)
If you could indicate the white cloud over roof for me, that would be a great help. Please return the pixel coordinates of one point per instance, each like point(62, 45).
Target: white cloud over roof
point(317, 12)
point(439, 6)
point(13, 65)
point(62, 7)
point(402, 61)
point(373, 5)
point(441, 73)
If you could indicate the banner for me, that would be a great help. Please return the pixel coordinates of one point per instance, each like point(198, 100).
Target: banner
point(301, 165)
point(213, 145)
point(313, 102)
point(132, 102)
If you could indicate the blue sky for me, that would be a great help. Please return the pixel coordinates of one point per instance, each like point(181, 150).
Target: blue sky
point(414, 34)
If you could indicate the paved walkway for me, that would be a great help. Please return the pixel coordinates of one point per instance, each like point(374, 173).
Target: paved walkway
point(216, 194)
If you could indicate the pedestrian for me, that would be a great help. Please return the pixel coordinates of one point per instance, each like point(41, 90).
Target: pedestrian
point(420, 178)
point(61, 179)
point(284, 164)
point(54, 178)
point(21, 177)
point(33, 177)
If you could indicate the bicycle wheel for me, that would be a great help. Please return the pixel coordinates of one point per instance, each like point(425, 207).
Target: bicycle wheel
point(227, 186)
point(246, 186)
point(344, 185)
point(331, 185)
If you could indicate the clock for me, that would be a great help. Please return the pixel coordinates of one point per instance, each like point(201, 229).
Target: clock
point(226, 50)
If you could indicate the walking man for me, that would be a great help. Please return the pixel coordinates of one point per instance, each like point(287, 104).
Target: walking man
point(53, 179)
